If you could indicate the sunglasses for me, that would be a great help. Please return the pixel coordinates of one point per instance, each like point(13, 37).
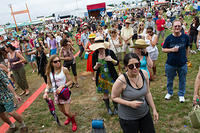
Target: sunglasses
point(177, 26)
point(132, 66)
point(149, 31)
point(141, 25)
point(56, 61)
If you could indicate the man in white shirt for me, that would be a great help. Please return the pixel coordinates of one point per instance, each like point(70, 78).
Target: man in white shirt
point(58, 38)
point(126, 34)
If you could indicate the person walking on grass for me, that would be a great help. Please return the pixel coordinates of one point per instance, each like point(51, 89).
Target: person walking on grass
point(92, 36)
point(58, 77)
point(27, 49)
point(193, 32)
point(103, 61)
point(7, 104)
point(176, 46)
point(152, 40)
point(126, 35)
point(160, 27)
point(131, 91)
point(66, 54)
point(15, 64)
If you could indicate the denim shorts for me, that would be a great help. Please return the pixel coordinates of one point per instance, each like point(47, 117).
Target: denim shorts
point(7, 107)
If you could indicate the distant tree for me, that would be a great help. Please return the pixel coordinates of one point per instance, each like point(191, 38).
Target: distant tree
point(111, 5)
point(123, 2)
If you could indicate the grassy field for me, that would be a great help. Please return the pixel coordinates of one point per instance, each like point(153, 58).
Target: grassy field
point(88, 105)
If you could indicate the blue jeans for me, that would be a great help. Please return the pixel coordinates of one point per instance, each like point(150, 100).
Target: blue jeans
point(171, 72)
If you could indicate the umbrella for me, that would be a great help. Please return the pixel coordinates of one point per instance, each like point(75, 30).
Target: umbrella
point(52, 110)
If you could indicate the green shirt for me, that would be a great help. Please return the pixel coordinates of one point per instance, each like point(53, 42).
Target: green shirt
point(5, 94)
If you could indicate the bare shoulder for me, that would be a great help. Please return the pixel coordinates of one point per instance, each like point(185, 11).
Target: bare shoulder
point(65, 70)
point(121, 79)
point(145, 74)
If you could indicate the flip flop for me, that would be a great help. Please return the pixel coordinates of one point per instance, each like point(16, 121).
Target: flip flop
point(27, 93)
point(77, 85)
point(22, 93)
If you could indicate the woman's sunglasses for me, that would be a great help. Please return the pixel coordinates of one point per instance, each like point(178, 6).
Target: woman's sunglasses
point(132, 66)
point(56, 61)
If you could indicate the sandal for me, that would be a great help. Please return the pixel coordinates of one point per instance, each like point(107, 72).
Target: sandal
point(77, 85)
point(72, 85)
point(22, 93)
point(27, 93)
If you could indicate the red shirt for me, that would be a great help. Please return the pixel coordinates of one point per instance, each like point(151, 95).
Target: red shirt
point(78, 38)
point(159, 24)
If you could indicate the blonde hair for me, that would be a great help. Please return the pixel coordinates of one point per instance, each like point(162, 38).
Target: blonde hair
point(139, 31)
point(49, 67)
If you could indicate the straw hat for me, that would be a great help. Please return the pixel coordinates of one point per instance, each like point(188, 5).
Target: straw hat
point(92, 35)
point(140, 43)
point(128, 21)
point(99, 43)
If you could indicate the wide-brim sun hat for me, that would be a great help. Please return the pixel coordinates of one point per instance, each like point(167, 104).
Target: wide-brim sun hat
point(99, 43)
point(140, 43)
point(92, 35)
point(128, 21)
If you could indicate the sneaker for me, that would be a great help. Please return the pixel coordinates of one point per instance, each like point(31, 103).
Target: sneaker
point(181, 99)
point(168, 96)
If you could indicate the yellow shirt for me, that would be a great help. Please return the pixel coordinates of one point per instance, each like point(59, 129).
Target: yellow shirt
point(126, 32)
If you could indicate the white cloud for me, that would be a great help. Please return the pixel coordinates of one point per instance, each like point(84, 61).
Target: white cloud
point(42, 7)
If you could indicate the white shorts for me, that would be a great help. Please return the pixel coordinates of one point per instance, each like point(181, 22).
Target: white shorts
point(154, 55)
point(125, 47)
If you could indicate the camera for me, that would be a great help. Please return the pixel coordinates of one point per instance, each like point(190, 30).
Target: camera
point(143, 53)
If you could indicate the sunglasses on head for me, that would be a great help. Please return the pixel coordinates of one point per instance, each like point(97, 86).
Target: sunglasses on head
point(56, 61)
point(132, 66)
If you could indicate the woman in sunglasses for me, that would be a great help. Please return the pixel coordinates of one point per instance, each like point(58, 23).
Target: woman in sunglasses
point(131, 91)
point(66, 54)
point(152, 40)
point(141, 30)
point(59, 77)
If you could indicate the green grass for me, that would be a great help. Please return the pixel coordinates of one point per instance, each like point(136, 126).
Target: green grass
point(88, 105)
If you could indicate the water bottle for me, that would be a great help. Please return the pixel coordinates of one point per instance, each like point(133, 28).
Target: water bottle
point(198, 101)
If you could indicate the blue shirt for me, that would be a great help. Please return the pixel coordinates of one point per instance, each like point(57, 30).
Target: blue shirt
point(102, 23)
point(179, 58)
point(84, 38)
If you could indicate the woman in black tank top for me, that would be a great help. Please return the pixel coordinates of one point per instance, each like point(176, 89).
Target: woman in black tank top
point(131, 92)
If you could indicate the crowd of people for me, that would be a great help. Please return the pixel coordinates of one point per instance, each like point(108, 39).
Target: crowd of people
point(128, 37)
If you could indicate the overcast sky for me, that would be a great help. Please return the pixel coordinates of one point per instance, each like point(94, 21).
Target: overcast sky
point(42, 7)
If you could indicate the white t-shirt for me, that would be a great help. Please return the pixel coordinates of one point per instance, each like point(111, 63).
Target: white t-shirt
point(47, 41)
point(113, 45)
point(198, 28)
point(58, 39)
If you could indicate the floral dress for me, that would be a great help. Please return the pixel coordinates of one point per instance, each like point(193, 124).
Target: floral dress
point(105, 81)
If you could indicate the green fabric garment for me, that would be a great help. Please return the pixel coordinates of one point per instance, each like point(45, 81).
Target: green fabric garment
point(105, 81)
